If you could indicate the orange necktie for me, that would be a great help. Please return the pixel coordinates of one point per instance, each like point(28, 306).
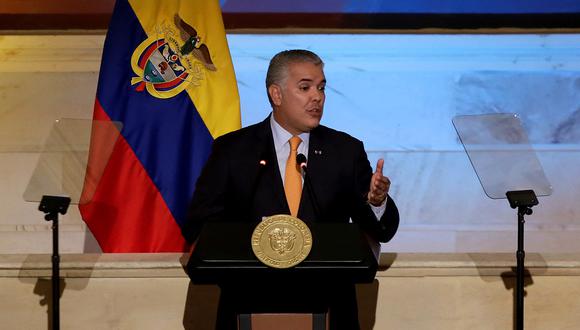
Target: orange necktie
point(293, 177)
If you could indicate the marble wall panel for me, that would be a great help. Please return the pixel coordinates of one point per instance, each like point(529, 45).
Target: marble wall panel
point(397, 93)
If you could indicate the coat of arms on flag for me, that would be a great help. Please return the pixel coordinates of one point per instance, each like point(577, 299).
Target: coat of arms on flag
point(171, 60)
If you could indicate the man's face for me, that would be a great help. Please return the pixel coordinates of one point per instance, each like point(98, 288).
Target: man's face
point(299, 101)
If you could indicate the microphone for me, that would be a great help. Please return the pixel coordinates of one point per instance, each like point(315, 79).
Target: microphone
point(301, 161)
point(303, 164)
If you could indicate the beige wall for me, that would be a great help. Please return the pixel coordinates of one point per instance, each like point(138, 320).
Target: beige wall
point(415, 291)
point(43, 78)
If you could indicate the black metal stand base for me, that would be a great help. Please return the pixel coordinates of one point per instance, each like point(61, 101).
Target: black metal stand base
point(523, 200)
point(52, 206)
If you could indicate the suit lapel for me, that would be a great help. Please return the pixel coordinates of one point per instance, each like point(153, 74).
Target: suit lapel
point(316, 165)
point(272, 180)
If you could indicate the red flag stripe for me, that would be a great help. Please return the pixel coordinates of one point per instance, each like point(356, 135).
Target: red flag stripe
point(145, 215)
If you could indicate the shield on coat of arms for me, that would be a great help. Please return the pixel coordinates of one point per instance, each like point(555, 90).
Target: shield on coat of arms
point(170, 60)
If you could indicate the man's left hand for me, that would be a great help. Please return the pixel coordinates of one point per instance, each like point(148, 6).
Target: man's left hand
point(380, 185)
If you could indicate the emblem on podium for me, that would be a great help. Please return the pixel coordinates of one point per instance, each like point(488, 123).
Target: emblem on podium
point(281, 241)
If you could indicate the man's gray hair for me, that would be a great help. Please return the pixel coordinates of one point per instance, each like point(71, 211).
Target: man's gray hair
point(278, 68)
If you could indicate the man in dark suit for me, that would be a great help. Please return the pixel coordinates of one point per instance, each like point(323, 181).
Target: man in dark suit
point(247, 176)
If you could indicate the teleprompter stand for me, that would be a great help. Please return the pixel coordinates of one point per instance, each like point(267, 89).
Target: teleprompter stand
point(64, 175)
point(52, 206)
point(523, 200)
point(507, 166)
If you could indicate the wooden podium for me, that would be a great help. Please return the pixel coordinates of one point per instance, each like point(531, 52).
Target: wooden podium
point(259, 297)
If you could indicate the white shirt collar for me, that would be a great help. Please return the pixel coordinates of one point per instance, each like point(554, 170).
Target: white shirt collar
point(282, 146)
point(281, 137)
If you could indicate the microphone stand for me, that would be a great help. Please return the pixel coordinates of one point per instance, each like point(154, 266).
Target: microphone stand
point(302, 162)
point(262, 163)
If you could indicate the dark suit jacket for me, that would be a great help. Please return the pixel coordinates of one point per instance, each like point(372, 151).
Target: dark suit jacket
point(233, 186)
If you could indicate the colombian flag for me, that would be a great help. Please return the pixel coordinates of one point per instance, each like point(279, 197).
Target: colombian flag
point(167, 76)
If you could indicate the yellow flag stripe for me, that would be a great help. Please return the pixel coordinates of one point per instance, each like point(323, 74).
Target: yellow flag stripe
point(216, 94)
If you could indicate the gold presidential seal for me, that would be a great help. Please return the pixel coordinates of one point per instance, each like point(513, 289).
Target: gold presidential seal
point(281, 241)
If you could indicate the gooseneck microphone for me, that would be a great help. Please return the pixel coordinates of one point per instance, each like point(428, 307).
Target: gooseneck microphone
point(303, 164)
point(261, 165)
